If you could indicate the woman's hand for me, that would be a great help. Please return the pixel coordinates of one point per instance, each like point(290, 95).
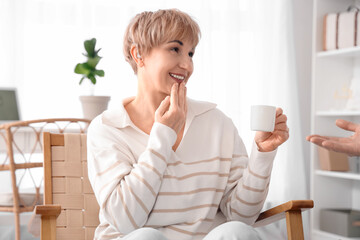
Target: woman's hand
point(172, 110)
point(269, 141)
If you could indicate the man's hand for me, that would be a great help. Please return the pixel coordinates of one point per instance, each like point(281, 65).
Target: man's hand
point(349, 145)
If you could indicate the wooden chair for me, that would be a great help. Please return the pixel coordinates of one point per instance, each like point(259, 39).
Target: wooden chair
point(21, 157)
point(67, 213)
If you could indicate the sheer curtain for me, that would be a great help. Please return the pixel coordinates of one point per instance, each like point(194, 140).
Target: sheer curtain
point(245, 57)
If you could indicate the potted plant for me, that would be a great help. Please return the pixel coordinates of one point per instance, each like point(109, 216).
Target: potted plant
point(92, 105)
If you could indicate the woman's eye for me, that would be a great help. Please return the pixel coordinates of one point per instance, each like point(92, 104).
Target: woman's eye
point(175, 49)
point(191, 54)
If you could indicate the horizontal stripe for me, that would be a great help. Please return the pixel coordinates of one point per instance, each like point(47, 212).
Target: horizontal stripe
point(243, 215)
point(200, 161)
point(236, 179)
point(157, 154)
point(126, 209)
point(239, 156)
point(237, 167)
point(248, 203)
point(108, 169)
point(145, 183)
point(151, 168)
point(112, 181)
point(137, 199)
point(185, 223)
point(197, 174)
point(257, 175)
point(255, 189)
point(183, 209)
point(184, 231)
point(190, 192)
point(199, 220)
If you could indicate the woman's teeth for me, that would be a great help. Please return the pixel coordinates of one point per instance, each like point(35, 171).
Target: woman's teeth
point(177, 76)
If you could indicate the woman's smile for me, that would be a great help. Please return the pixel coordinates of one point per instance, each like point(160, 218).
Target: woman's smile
point(179, 78)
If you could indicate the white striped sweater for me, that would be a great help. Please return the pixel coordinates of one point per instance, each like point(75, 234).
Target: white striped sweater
point(139, 181)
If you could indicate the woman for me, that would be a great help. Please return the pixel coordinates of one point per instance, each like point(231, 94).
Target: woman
point(164, 166)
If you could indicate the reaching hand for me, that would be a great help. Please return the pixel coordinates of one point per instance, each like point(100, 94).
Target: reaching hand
point(269, 141)
point(172, 110)
point(349, 145)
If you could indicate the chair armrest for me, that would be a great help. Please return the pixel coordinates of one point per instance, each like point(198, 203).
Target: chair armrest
point(48, 210)
point(278, 212)
point(42, 213)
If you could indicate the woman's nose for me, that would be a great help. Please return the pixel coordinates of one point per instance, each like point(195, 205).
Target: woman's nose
point(186, 63)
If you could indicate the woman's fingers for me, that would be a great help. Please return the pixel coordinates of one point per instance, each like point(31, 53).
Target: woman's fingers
point(172, 110)
point(182, 95)
point(164, 106)
point(281, 126)
point(174, 96)
point(282, 118)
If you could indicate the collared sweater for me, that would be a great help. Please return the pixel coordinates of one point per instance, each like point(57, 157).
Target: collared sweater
point(139, 181)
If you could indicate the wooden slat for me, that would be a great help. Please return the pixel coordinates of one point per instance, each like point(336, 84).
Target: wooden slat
point(58, 185)
point(48, 210)
point(48, 227)
point(278, 212)
point(57, 153)
point(70, 233)
point(85, 170)
point(65, 169)
point(21, 166)
point(48, 120)
point(47, 169)
point(89, 233)
point(294, 225)
point(69, 201)
point(73, 185)
point(74, 218)
point(57, 139)
point(87, 186)
point(91, 211)
point(61, 220)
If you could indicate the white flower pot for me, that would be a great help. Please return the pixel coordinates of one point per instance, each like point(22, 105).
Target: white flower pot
point(93, 105)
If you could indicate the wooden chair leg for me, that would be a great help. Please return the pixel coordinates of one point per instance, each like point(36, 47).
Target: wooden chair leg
point(17, 225)
point(48, 227)
point(294, 225)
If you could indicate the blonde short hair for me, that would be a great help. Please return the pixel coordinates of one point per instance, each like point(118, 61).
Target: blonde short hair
point(151, 29)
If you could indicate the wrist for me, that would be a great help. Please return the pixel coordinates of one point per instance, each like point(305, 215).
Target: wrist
point(263, 148)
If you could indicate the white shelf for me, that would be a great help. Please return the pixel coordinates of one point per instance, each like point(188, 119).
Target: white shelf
point(339, 113)
point(343, 175)
point(346, 52)
point(331, 236)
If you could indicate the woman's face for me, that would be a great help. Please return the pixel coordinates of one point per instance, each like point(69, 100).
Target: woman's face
point(167, 64)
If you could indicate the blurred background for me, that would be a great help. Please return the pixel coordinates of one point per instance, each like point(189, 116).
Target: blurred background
point(251, 52)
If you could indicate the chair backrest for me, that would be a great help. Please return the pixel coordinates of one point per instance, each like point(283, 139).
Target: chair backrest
point(67, 184)
point(21, 159)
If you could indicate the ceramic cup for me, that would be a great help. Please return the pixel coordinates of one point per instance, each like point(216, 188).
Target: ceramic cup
point(263, 118)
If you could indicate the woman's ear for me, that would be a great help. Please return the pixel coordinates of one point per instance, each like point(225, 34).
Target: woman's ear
point(134, 51)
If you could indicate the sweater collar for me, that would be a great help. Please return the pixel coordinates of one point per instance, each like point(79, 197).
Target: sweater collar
point(119, 118)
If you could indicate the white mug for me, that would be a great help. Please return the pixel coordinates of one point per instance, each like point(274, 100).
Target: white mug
point(263, 118)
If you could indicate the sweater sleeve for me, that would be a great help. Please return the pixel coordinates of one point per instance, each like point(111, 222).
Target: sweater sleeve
point(248, 183)
point(126, 190)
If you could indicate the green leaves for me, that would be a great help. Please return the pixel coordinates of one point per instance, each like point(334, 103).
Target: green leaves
point(90, 47)
point(88, 68)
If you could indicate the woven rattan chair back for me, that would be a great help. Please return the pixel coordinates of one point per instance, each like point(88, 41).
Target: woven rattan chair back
point(67, 184)
point(21, 159)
